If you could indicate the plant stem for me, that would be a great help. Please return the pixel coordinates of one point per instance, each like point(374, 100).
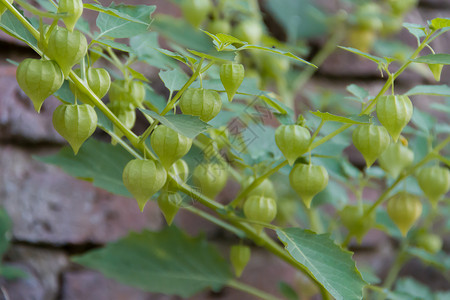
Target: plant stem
point(251, 290)
point(256, 183)
point(215, 220)
point(395, 269)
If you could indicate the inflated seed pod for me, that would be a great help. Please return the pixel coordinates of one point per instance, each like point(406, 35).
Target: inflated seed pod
point(210, 178)
point(39, 79)
point(143, 178)
point(292, 140)
point(219, 26)
point(126, 116)
point(239, 257)
point(180, 172)
point(98, 80)
point(395, 159)
point(75, 123)
point(430, 242)
point(196, 11)
point(231, 76)
point(308, 180)
point(394, 113)
point(127, 95)
point(371, 140)
point(169, 204)
point(260, 209)
point(436, 69)
point(265, 188)
point(3, 8)
point(66, 48)
point(169, 145)
point(205, 104)
point(73, 9)
point(353, 219)
point(404, 209)
point(434, 182)
point(249, 31)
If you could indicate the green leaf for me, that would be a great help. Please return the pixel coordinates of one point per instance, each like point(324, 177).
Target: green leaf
point(439, 260)
point(11, 273)
point(168, 262)
point(5, 227)
point(440, 58)
point(365, 119)
point(215, 55)
point(357, 91)
point(373, 58)
point(299, 18)
point(136, 74)
point(439, 23)
point(12, 26)
point(113, 44)
point(331, 265)
point(433, 90)
point(145, 46)
point(413, 288)
point(117, 12)
point(187, 125)
point(287, 291)
point(65, 94)
point(415, 29)
point(120, 27)
point(174, 80)
point(276, 51)
point(178, 30)
point(101, 163)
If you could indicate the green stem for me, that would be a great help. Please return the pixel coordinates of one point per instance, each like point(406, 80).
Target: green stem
point(432, 155)
point(21, 18)
point(215, 220)
point(256, 183)
point(251, 290)
point(395, 269)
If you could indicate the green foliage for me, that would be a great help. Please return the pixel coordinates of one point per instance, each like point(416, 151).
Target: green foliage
point(161, 262)
point(332, 266)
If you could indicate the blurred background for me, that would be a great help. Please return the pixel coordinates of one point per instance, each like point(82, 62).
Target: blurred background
point(50, 216)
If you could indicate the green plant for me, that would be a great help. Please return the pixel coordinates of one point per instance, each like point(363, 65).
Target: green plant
point(200, 71)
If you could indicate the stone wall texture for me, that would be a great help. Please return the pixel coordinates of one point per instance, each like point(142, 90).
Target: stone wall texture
point(55, 216)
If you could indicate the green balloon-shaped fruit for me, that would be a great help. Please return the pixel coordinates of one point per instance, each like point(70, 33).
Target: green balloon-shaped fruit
point(308, 181)
point(66, 48)
point(434, 182)
point(169, 145)
point(73, 9)
point(143, 178)
point(394, 113)
point(75, 123)
point(239, 257)
point(98, 80)
point(293, 141)
point(371, 140)
point(196, 11)
point(179, 171)
point(395, 159)
point(210, 178)
point(356, 222)
point(231, 76)
point(260, 209)
point(169, 203)
point(404, 209)
point(39, 79)
point(127, 94)
point(205, 104)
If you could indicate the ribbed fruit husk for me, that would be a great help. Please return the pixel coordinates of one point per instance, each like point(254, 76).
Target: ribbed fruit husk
point(308, 181)
point(205, 104)
point(143, 178)
point(169, 145)
point(404, 209)
point(394, 113)
point(292, 140)
point(371, 140)
point(39, 79)
point(231, 76)
point(75, 123)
